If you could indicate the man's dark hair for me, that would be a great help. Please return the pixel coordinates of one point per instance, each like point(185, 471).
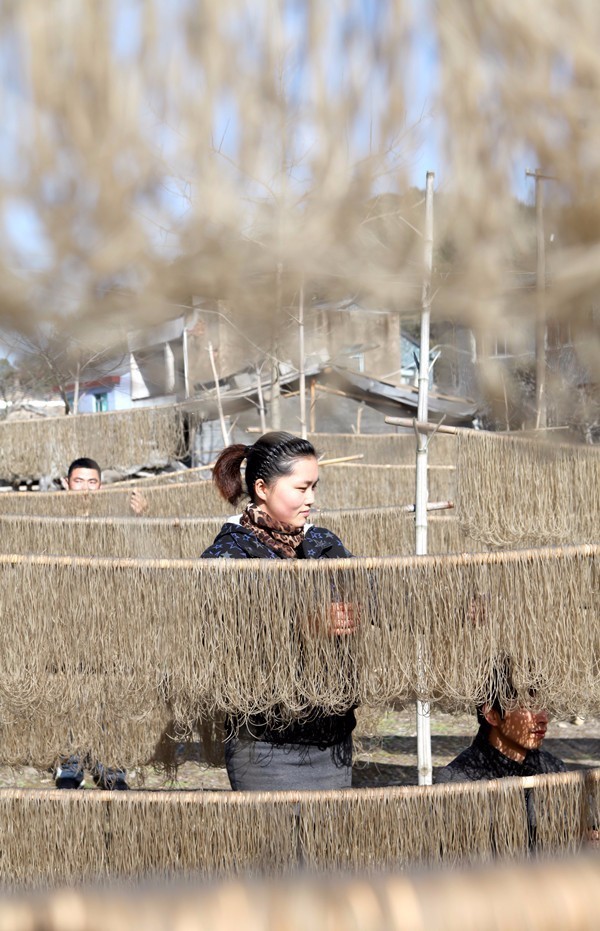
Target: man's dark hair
point(84, 463)
point(499, 690)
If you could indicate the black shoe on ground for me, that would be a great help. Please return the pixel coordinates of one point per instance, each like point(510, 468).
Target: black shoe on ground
point(68, 782)
point(110, 783)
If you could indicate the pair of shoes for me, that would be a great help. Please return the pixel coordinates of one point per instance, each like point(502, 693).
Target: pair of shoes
point(119, 785)
point(68, 782)
point(110, 782)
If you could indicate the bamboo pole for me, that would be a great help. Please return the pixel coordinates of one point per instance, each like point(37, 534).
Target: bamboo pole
point(77, 387)
point(247, 799)
point(424, 759)
point(224, 430)
point(261, 403)
point(424, 427)
point(157, 476)
point(121, 483)
point(186, 361)
point(302, 364)
point(540, 289)
point(323, 462)
point(431, 506)
point(165, 522)
point(367, 562)
point(328, 390)
point(275, 372)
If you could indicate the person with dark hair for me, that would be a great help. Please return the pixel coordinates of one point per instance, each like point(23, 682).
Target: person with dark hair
point(509, 737)
point(281, 474)
point(85, 475)
point(508, 743)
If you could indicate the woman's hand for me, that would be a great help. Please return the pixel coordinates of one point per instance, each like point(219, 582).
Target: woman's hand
point(593, 838)
point(343, 617)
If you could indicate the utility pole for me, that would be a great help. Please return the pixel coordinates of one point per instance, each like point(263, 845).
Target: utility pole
point(424, 761)
point(541, 333)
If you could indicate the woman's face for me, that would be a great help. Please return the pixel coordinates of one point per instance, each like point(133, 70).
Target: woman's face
point(289, 499)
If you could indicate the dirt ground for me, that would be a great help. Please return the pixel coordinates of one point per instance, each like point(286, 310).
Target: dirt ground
point(387, 758)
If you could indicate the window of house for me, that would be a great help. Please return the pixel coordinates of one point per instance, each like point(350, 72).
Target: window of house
point(358, 361)
point(101, 402)
point(500, 347)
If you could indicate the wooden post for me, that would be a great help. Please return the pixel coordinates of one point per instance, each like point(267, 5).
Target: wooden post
point(424, 761)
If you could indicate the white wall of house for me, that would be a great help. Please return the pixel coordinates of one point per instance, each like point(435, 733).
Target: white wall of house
point(111, 398)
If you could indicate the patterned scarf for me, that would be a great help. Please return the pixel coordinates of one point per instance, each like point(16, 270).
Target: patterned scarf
point(282, 538)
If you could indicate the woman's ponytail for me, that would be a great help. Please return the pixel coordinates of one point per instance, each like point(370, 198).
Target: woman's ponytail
point(272, 456)
point(227, 474)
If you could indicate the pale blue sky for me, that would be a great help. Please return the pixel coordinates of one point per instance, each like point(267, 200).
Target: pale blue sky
point(21, 224)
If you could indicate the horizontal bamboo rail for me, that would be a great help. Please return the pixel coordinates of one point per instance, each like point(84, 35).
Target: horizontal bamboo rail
point(104, 835)
point(484, 787)
point(223, 566)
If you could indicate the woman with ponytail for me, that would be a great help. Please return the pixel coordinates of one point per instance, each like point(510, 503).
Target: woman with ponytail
point(281, 474)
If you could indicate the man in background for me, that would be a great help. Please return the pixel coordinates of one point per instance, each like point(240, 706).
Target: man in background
point(508, 743)
point(85, 475)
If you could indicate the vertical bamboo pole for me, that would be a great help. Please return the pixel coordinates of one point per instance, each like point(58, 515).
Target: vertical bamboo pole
point(424, 762)
point(76, 392)
point(302, 385)
point(313, 405)
point(275, 373)
point(540, 293)
point(261, 402)
point(224, 430)
point(186, 362)
point(541, 331)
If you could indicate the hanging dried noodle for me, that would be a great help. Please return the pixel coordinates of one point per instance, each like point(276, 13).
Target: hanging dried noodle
point(340, 486)
point(148, 436)
point(520, 492)
point(104, 641)
point(139, 834)
point(368, 532)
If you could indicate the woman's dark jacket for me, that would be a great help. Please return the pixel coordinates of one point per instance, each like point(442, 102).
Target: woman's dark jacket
point(318, 728)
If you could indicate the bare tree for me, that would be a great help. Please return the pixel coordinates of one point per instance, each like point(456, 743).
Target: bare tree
point(52, 361)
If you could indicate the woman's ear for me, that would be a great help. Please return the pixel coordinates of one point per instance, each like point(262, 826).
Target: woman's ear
point(260, 490)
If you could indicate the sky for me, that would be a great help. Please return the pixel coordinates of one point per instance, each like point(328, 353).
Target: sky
point(21, 224)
